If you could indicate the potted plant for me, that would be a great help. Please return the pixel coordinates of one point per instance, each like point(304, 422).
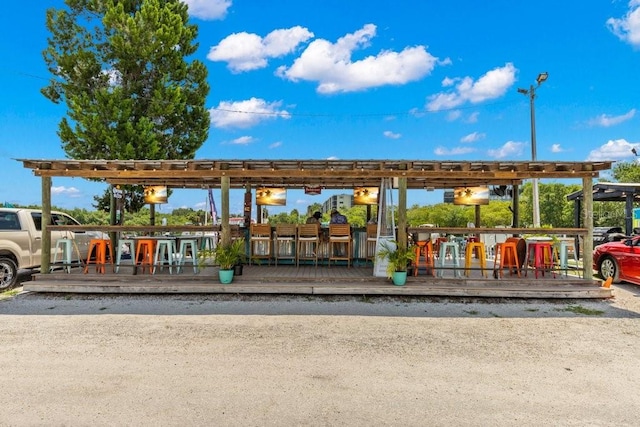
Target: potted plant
point(399, 258)
point(227, 256)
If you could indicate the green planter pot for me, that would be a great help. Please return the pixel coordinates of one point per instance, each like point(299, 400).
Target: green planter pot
point(399, 278)
point(226, 276)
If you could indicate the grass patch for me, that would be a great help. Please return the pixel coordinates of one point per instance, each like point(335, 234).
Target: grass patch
point(9, 293)
point(578, 309)
point(532, 310)
point(472, 312)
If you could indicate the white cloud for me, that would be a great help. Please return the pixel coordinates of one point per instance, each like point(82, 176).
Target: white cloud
point(473, 117)
point(391, 135)
point(208, 9)
point(243, 140)
point(509, 149)
point(613, 150)
point(72, 192)
point(416, 112)
point(454, 115)
point(276, 144)
point(456, 151)
point(446, 82)
point(244, 114)
point(491, 85)
point(606, 120)
point(332, 66)
point(473, 137)
point(627, 28)
point(245, 51)
point(556, 148)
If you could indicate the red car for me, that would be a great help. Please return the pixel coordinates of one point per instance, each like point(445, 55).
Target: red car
point(619, 260)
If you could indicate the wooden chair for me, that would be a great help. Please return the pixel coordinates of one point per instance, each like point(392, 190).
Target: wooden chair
point(284, 242)
point(340, 243)
point(372, 237)
point(260, 242)
point(308, 243)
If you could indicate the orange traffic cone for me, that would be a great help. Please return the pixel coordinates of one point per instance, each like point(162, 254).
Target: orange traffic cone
point(607, 283)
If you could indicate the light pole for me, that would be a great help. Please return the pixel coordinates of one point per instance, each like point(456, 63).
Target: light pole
point(531, 93)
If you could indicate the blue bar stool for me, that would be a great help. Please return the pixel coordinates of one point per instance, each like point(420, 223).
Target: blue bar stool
point(66, 253)
point(187, 245)
point(165, 254)
point(132, 251)
point(451, 249)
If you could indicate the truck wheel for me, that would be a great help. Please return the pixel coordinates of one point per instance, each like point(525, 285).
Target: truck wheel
point(8, 273)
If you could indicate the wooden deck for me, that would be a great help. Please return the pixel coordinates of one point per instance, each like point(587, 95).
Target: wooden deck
point(309, 280)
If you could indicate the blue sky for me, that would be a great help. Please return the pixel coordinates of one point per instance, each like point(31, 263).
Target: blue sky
point(431, 80)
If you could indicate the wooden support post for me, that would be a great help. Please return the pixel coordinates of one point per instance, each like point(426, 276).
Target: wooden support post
point(45, 262)
point(225, 185)
point(402, 212)
point(587, 219)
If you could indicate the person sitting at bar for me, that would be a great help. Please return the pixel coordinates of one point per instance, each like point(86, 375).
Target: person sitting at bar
point(315, 218)
point(337, 217)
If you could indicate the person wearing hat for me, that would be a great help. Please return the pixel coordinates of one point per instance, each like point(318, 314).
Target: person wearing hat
point(315, 218)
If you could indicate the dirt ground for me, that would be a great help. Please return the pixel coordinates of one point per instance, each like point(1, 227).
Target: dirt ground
point(284, 361)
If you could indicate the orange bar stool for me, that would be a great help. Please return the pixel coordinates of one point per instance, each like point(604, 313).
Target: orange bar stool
point(506, 256)
point(424, 249)
point(478, 249)
point(144, 254)
point(540, 258)
point(99, 248)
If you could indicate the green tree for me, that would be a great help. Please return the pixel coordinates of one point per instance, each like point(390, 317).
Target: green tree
point(555, 209)
point(626, 172)
point(121, 69)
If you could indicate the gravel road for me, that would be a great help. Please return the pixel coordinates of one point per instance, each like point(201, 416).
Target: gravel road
point(283, 361)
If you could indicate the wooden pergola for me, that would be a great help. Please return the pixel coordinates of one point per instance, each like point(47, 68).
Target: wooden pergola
point(328, 174)
point(610, 192)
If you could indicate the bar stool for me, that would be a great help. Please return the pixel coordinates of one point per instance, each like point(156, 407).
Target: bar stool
point(372, 240)
point(102, 247)
point(260, 242)
point(540, 257)
point(561, 254)
point(308, 243)
point(449, 249)
point(187, 246)
point(477, 248)
point(506, 256)
point(208, 242)
point(339, 240)
point(132, 251)
point(165, 254)
point(144, 254)
point(66, 253)
point(284, 242)
point(424, 248)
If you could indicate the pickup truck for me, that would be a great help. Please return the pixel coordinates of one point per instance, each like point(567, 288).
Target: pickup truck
point(21, 241)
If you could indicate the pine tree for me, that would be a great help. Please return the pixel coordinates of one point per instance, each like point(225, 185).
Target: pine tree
point(120, 67)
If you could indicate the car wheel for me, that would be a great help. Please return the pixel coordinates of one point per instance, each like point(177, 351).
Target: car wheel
point(8, 273)
point(609, 268)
